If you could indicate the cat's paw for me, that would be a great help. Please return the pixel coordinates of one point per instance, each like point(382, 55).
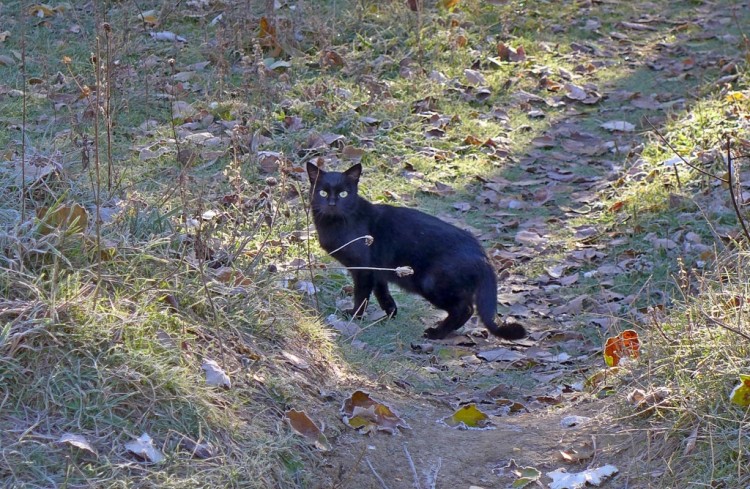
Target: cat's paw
point(391, 311)
point(435, 333)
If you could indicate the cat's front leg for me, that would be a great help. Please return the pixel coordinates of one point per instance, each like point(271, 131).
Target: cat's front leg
point(385, 299)
point(363, 284)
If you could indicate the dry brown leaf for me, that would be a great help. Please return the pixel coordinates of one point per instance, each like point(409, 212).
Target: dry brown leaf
point(303, 425)
point(363, 413)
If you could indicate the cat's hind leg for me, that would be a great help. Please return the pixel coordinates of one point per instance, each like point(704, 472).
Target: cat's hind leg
point(383, 295)
point(458, 314)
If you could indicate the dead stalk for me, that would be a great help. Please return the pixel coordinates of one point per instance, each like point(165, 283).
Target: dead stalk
point(731, 190)
point(108, 103)
point(97, 181)
point(417, 485)
point(375, 473)
point(672, 148)
point(23, 123)
point(368, 241)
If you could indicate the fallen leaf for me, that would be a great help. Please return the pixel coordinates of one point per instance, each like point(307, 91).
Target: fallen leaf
point(303, 425)
point(215, 375)
point(474, 77)
point(740, 395)
point(526, 476)
point(77, 441)
point(501, 355)
point(143, 447)
point(167, 36)
point(363, 413)
point(621, 126)
point(576, 480)
point(72, 218)
point(626, 344)
point(468, 417)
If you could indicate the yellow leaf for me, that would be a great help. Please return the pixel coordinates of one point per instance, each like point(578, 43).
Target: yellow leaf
point(449, 4)
point(468, 416)
point(149, 17)
point(41, 10)
point(735, 96)
point(741, 394)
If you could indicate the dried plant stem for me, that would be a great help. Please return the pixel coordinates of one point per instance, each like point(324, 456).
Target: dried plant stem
point(375, 473)
point(368, 240)
point(97, 182)
point(724, 325)
point(108, 103)
point(672, 148)
point(731, 190)
point(400, 271)
point(23, 123)
point(417, 485)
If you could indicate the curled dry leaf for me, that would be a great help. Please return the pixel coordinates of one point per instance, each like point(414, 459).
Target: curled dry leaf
point(626, 344)
point(143, 447)
point(469, 417)
point(215, 375)
point(303, 425)
point(648, 400)
point(576, 480)
point(367, 415)
point(77, 441)
point(202, 451)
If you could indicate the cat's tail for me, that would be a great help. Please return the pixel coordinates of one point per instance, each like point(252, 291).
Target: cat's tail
point(486, 302)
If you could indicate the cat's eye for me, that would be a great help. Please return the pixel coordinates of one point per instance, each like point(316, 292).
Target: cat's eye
point(343, 194)
point(323, 193)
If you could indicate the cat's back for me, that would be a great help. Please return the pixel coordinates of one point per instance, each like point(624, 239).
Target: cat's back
point(408, 222)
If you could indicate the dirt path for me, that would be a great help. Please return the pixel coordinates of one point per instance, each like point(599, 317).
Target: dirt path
point(555, 254)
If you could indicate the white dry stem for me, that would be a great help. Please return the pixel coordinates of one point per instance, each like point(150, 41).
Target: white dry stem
point(368, 241)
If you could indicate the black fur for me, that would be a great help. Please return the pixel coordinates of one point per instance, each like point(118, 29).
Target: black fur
point(450, 267)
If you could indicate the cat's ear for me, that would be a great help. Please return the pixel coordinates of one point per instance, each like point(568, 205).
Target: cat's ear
point(354, 172)
point(314, 173)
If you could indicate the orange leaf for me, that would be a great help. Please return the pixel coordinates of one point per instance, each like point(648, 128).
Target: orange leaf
point(266, 29)
point(626, 344)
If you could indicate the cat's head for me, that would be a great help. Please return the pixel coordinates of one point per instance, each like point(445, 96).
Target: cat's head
point(333, 193)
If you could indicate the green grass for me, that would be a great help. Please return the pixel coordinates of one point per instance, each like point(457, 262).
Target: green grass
point(82, 342)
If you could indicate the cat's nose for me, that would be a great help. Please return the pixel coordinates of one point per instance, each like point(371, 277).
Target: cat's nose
point(331, 202)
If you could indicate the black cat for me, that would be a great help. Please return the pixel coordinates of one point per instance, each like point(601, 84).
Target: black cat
point(450, 267)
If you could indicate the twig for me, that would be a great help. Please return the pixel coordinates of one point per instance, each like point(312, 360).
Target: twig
point(375, 473)
point(731, 190)
point(432, 481)
point(368, 241)
point(417, 485)
point(725, 326)
point(669, 145)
